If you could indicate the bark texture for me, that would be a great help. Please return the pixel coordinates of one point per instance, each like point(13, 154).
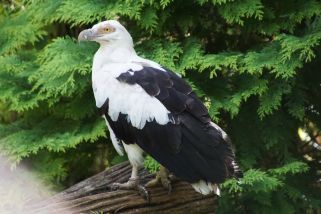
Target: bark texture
point(94, 195)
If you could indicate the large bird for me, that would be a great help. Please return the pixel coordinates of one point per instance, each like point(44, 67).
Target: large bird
point(151, 109)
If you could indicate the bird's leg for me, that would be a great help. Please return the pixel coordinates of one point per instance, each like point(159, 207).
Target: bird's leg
point(133, 183)
point(136, 159)
point(164, 178)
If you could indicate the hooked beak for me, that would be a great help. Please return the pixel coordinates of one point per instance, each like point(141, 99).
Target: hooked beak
point(86, 35)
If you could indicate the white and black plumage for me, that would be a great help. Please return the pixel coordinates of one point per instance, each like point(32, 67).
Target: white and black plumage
point(150, 108)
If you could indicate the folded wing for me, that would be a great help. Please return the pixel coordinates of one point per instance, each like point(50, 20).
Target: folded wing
point(190, 145)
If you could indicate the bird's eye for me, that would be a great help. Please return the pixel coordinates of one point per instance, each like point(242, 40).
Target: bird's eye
point(107, 30)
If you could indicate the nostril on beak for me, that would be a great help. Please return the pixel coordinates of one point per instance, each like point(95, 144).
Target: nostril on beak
point(85, 35)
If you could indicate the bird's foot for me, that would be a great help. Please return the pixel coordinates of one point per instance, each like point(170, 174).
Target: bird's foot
point(132, 184)
point(163, 177)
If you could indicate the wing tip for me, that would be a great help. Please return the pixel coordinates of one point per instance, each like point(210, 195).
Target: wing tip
point(236, 172)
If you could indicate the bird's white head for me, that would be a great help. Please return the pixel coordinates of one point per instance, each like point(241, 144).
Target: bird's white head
point(107, 33)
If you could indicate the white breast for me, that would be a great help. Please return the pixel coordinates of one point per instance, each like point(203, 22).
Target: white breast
point(131, 100)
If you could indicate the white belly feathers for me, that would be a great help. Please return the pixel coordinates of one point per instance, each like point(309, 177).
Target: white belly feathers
point(127, 99)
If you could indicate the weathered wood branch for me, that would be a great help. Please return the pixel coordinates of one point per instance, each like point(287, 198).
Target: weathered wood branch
point(94, 195)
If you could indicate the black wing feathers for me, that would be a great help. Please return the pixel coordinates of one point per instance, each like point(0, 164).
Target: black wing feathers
point(190, 147)
point(175, 94)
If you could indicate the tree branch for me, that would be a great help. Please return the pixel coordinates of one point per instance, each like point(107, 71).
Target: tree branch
point(94, 195)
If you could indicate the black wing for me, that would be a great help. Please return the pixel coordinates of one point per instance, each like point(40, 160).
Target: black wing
point(171, 90)
point(190, 147)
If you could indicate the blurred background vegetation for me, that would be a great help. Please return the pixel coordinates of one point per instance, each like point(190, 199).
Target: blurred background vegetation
point(255, 63)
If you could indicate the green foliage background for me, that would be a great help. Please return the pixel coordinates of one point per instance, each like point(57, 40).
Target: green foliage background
point(255, 63)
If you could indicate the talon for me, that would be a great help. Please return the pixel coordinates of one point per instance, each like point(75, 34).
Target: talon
point(132, 184)
point(162, 177)
point(173, 178)
point(166, 183)
point(143, 192)
point(169, 189)
point(115, 186)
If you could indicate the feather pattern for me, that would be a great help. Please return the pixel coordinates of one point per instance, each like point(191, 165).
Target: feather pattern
point(191, 146)
point(129, 99)
point(118, 145)
point(149, 108)
point(174, 93)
